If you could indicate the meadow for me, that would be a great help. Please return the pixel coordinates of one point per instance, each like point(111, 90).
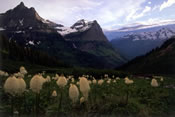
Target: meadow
point(89, 95)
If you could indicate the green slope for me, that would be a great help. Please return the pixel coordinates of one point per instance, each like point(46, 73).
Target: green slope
point(159, 61)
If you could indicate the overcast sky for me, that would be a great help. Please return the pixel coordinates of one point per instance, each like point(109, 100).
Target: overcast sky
point(110, 14)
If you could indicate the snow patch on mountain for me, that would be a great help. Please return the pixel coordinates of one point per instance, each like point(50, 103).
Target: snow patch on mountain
point(19, 31)
point(139, 26)
point(30, 28)
point(38, 42)
point(1, 29)
point(79, 26)
point(162, 34)
point(65, 30)
point(21, 22)
point(31, 43)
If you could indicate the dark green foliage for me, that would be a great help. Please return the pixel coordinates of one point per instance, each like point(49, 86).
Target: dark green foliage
point(12, 52)
point(158, 61)
point(55, 45)
point(130, 49)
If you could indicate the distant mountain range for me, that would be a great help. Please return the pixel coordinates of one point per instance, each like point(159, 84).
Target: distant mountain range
point(158, 61)
point(83, 44)
point(137, 28)
point(139, 39)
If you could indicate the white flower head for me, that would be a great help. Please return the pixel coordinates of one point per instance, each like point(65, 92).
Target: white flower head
point(108, 81)
point(128, 81)
point(2, 73)
point(54, 93)
point(36, 83)
point(84, 87)
point(11, 85)
point(23, 70)
point(73, 93)
point(72, 80)
point(62, 81)
point(154, 83)
point(117, 78)
point(100, 82)
point(21, 85)
point(19, 74)
point(48, 79)
point(82, 100)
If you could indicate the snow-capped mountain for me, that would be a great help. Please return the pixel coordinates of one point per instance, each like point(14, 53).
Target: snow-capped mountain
point(88, 36)
point(162, 34)
point(80, 26)
point(77, 28)
point(138, 28)
point(138, 42)
point(82, 44)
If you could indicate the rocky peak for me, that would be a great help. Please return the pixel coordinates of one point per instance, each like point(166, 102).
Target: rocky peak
point(84, 30)
point(81, 23)
point(20, 7)
point(22, 17)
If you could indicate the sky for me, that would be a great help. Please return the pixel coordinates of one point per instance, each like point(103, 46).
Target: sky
point(110, 14)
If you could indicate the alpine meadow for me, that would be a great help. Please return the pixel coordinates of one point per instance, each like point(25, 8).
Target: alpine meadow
point(87, 58)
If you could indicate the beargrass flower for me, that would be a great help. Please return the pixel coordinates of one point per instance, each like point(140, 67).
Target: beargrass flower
point(11, 85)
point(82, 100)
point(23, 70)
point(36, 83)
point(128, 81)
point(100, 82)
point(62, 81)
point(154, 83)
point(21, 85)
point(54, 93)
point(73, 93)
point(84, 87)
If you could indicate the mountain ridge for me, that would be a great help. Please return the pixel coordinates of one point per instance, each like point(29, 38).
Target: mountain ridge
point(27, 28)
point(157, 61)
point(131, 44)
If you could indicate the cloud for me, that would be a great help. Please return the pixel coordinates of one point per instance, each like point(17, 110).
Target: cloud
point(135, 15)
point(166, 4)
point(147, 9)
point(150, 21)
point(67, 12)
point(157, 21)
point(149, 2)
point(112, 12)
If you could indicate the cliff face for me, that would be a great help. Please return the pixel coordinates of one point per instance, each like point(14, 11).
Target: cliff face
point(83, 44)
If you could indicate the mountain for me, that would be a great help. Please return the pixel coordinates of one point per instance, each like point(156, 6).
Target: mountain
point(138, 40)
point(137, 28)
point(87, 36)
point(24, 26)
point(14, 56)
point(159, 60)
point(22, 17)
point(83, 30)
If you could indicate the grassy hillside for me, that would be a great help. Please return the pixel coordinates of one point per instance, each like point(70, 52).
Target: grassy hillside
point(160, 60)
